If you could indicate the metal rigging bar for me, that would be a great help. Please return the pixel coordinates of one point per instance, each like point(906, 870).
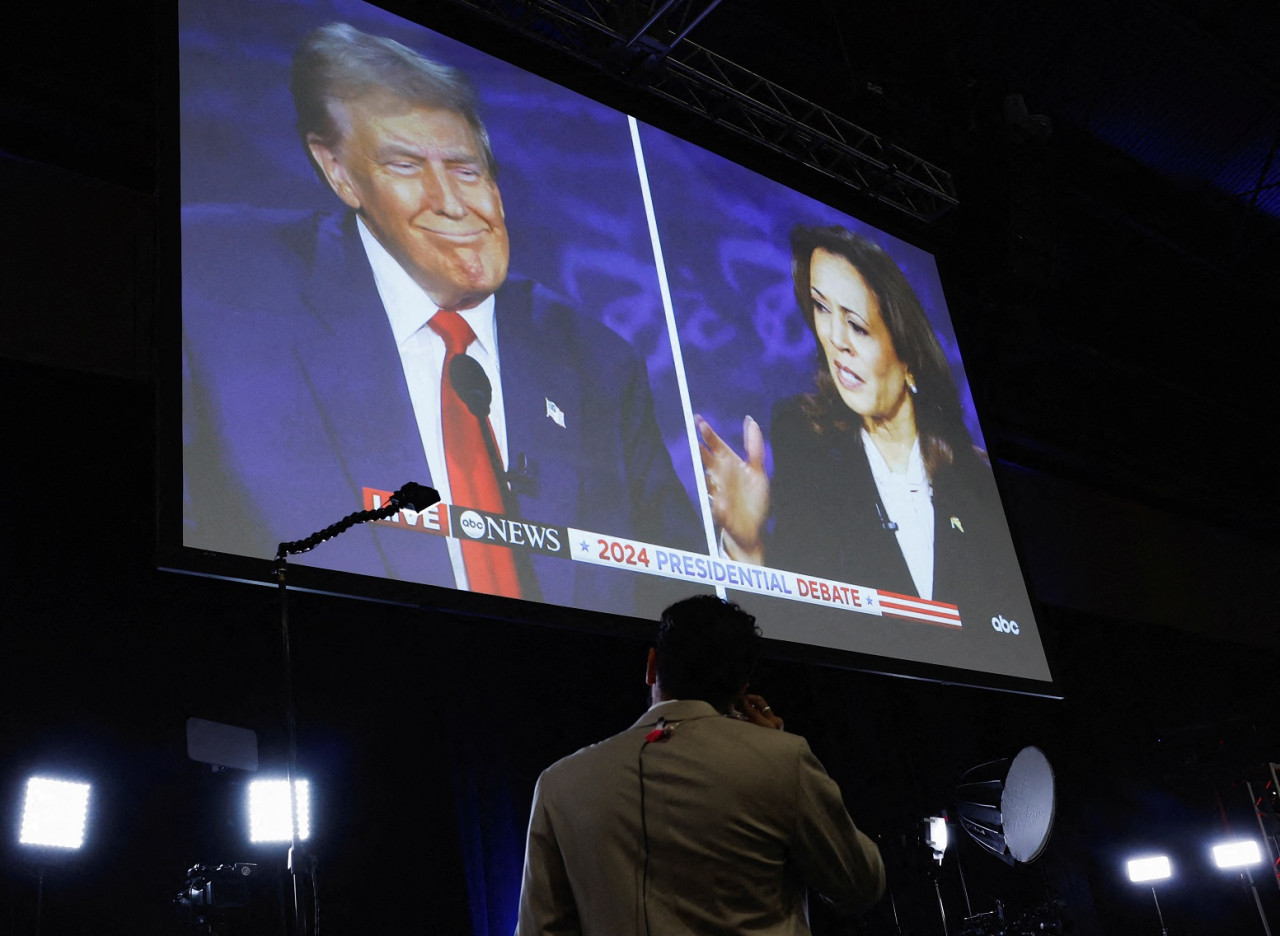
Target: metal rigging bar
point(598, 33)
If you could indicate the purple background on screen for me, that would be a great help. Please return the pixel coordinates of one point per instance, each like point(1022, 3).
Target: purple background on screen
point(573, 203)
point(574, 208)
point(726, 240)
point(567, 170)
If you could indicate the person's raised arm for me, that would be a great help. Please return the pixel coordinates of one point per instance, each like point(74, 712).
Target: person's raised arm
point(836, 858)
point(753, 708)
point(738, 489)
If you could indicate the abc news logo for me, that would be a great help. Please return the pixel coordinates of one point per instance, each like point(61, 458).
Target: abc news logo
point(472, 524)
point(1003, 626)
point(508, 532)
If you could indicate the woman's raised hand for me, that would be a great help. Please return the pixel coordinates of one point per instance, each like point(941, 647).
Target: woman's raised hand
point(738, 488)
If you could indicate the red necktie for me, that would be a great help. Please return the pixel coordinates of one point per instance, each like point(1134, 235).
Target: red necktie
point(472, 480)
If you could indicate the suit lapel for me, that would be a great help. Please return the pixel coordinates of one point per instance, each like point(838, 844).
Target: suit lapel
point(539, 378)
point(353, 370)
point(876, 550)
point(956, 538)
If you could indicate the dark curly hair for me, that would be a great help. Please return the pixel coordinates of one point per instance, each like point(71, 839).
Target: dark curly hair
point(707, 649)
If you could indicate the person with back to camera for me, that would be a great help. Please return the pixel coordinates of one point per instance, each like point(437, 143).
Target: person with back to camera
point(876, 480)
point(702, 817)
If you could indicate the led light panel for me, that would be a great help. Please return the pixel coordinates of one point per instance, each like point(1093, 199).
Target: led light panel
point(269, 810)
point(1237, 854)
point(54, 813)
point(1156, 868)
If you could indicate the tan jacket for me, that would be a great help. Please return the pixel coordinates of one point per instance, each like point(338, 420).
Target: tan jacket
point(735, 821)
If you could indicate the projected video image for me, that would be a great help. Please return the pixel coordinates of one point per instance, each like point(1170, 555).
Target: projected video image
point(631, 368)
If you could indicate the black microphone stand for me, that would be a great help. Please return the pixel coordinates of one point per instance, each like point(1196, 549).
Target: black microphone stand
point(410, 497)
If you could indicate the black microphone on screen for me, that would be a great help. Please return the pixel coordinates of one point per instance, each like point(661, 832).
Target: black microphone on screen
point(471, 384)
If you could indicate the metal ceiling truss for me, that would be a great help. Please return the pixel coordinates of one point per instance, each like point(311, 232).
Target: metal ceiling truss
point(648, 49)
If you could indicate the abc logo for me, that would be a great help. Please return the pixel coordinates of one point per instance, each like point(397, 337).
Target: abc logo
point(472, 524)
point(1005, 627)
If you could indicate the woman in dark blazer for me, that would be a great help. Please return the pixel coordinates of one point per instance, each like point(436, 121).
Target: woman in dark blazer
point(876, 480)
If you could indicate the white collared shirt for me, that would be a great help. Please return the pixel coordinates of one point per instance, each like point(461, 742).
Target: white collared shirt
point(422, 353)
point(907, 500)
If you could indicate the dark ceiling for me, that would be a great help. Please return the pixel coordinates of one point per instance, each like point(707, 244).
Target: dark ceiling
point(1114, 260)
point(1188, 89)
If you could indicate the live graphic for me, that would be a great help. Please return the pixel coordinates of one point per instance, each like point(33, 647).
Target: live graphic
point(466, 523)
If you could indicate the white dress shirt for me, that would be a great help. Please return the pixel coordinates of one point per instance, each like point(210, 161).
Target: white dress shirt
point(422, 353)
point(908, 501)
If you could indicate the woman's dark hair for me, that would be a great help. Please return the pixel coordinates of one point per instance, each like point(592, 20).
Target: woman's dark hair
point(939, 417)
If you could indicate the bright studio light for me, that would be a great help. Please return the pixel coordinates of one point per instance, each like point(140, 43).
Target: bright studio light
point(1156, 868)
point(936, 835)
point(54, 813)
point(269, 810)
point(1237, 854)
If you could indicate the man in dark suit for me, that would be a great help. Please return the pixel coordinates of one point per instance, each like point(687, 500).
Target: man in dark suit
point(702, 817)
point(321, 358)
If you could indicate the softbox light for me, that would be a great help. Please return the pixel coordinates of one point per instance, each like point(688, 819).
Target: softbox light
point(220, 745)
point(1007, 805)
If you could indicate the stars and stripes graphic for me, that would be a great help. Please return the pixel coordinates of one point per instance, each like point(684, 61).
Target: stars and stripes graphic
point(919, 609)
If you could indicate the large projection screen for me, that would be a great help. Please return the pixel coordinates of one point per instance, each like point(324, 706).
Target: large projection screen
point(648, 300)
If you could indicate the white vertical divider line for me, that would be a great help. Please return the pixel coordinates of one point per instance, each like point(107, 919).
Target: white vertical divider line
point(673, 336)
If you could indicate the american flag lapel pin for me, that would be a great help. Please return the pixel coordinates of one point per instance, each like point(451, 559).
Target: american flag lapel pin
point(555, 414)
